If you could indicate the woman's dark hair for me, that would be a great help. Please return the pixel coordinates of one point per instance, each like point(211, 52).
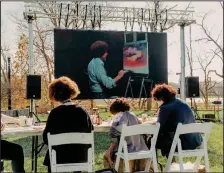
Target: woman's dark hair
point(62, 89)
point(119, 105)
point(98, 49)
point(163, 92)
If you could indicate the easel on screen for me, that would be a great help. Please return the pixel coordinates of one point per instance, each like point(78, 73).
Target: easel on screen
point(142, 90)
point(142, 78)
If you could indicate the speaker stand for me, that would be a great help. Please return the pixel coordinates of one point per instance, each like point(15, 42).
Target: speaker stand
point(196, 116)
point(32, 112)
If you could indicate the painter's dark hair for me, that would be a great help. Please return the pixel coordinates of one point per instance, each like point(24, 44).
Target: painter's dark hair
point(98, 49)
point(163, 92)
point(119, 105)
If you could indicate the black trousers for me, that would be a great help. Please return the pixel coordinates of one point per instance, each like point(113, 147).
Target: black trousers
point(13, 152)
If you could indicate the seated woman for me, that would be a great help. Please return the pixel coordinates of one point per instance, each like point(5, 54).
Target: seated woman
point(121, 115)
point(13, 152)
point(171, 112)
point(66, 118)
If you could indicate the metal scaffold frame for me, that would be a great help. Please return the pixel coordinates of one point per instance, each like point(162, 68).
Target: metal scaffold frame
point(95, 14)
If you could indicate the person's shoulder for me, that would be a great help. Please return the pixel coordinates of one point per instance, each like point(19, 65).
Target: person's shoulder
point(127, 115)
point(91, 62)
point(80, 108)
point(131, 113)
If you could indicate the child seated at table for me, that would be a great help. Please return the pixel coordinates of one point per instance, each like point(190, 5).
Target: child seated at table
point(121, 115)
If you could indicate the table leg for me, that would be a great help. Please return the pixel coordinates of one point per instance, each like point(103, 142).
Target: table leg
point(35, 154)
point(32, 156)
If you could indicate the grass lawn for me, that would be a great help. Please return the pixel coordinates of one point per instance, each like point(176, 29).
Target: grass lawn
point(102, 142)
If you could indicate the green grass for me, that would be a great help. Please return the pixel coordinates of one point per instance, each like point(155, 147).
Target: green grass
point(102, 142)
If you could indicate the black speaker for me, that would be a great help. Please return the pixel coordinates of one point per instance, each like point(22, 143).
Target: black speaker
point(192, 87)
point(33, 87)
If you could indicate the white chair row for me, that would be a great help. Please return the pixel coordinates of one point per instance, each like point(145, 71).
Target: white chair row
point(88, 138)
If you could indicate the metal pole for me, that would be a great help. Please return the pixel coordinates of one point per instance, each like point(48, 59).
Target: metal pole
point(30, 19)
point(182, 75)
point(9, 86)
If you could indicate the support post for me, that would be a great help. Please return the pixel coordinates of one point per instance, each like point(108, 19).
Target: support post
point(9, 85)
point(182, 74)
point(30, 19)
point(31, 60)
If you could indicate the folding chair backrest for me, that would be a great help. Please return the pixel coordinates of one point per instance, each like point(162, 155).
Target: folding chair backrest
point(70, 138)
point(140, 129)
point(204, 128)
point(194, 128)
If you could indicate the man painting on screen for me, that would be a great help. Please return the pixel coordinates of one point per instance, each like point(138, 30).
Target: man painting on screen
point(98, 79)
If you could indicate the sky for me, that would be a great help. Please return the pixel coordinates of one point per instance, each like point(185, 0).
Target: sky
point(214, 22)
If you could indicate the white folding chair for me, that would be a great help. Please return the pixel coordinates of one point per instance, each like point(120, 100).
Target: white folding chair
point(150, 154)
point(71, 138)
point(204, 128)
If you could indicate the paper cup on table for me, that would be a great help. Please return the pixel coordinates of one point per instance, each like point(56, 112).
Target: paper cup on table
point(22, 121)
point(144, 117)
point(29, 121)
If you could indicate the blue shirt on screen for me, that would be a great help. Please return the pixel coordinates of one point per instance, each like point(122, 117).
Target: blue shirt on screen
point(98, 77)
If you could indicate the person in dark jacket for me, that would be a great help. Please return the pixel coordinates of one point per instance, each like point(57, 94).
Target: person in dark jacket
point(66, 118)
point(171, 112)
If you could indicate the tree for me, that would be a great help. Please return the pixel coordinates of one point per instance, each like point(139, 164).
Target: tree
point(20, 60)
point(4, 64)
point(216, 41)
point(207, 85)
point(161, 16)
point(4, 77)
point(190, 53)
point(19, 73)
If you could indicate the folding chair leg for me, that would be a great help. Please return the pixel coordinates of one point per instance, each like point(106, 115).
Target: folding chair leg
point(148, 164)
point(197, 163)
point(169, 161)
point(181, 163)
point(127, 168)
point(90, 160)
point(155, 165)
point(118, 159)
point(206, 162)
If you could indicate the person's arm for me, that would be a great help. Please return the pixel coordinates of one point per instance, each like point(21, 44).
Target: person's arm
point(48, 127)
point(107, 81)
point(89, 122)
point(163, 116)
point(2, 126)
point(119, 75)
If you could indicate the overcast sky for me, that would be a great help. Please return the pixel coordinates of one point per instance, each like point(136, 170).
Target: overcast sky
point(214, 22)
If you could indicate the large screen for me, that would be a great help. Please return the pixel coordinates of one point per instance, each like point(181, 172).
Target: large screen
point(94, 59)
point(135, 56)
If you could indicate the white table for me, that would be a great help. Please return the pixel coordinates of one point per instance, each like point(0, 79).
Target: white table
point(38, 130)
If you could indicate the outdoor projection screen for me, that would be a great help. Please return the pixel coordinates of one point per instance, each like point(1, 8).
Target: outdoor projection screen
point(146, 57)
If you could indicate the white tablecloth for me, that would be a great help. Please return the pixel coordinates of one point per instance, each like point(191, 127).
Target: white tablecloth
point(38, 130)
